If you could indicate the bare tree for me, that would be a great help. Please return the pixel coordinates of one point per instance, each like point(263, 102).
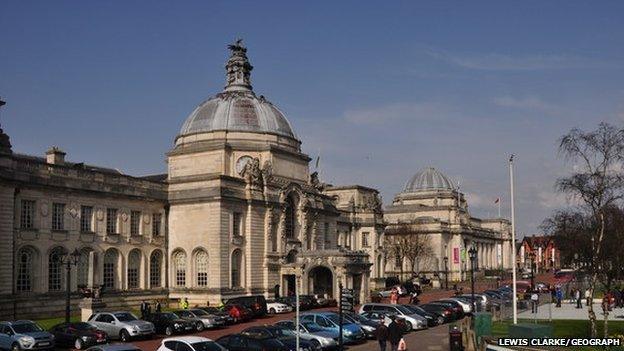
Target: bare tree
point(597, 182)
point(406, 245)
point(418, 251)
point(395, 246)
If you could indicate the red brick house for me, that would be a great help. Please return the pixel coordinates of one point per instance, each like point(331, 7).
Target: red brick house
point(546, 254)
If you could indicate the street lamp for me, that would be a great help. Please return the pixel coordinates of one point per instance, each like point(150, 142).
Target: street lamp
point(69, 259)
point(472, 253)
point(446, 271)
point(532, 262)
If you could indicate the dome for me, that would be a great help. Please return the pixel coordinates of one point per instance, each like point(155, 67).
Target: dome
point(237, 108)
point(428, 179)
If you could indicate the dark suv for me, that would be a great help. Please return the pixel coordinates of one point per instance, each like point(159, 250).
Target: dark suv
point(256, 303)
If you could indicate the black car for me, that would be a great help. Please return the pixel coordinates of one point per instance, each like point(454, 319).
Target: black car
point(219, 313)
point(240, 342)
point(256, 303)
point(432, 320)
point(78, 335)
point(277, 333)
point(369, 326)
point(442, 313)
point(169, 323)
point(458, 310)
point(311, 300)
point(304, 304)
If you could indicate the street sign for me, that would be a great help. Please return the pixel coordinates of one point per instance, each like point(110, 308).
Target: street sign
point(346, 300)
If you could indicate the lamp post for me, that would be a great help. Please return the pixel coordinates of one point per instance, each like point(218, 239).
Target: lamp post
point(473, 256)
point(69, 259)
point(446, 271)
point(532, 263)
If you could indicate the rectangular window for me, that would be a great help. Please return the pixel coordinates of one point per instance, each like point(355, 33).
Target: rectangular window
point(326, 236)
point(133, 278)
point(237, 218)
point(111, 221)
point(58, 216)
point(135, 222)
point(180, 277)
point(86, 219)
point(27, 220)
point(156, 224)
point(109, 275)
point(365, 242)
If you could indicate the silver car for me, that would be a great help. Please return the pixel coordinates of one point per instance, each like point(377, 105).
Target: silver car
point(201, 318)
point(412, 320)
point(312, 332)
point(121, 325)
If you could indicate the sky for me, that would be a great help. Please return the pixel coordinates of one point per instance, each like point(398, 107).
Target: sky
point(379, 90)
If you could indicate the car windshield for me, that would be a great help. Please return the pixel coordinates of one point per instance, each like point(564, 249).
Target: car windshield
point(125, 317)
point(336, 320)
point(26, 328)
point(411, 309)
point(348, 318)
point(206, 346)
point(312, 327)
point(82, 326)
point(200, 312)
point(277, 332)
point(169, 315)
point(403, 309)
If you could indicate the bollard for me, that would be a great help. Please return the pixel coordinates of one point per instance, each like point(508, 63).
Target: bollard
point(455, 339)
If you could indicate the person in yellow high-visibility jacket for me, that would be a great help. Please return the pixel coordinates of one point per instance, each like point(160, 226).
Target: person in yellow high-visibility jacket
point(184, 304)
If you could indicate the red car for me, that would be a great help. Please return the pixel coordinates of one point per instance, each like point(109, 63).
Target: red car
point(238, 312)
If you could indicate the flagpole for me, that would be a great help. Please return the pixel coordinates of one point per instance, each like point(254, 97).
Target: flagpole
point(499, 207)
point(513, 242)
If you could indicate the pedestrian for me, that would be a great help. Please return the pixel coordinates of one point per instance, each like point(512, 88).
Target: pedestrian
point(381, 334)
point(534, 301)
point(395, 334)
point(184, 304)
point(148, 309)
point(394, 296)
point(559, 295)
point(577, 294)
point(157, 306)
point(414, 299)
point(143, 309)
point(588, 297)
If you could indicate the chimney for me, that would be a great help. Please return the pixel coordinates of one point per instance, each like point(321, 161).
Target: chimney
point(55, 156)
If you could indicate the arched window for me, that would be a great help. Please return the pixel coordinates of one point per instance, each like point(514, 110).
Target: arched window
point(82, 268)
point(111, 259)
point(155, 264)
point(179, 268)
point(134, 266)
point(55, 269)
point(201, 267)
point(25, 258)
point(290, 218)
point(236, 266)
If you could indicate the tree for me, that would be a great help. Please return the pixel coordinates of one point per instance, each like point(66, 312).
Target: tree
point(597, 184)
point(406, 245)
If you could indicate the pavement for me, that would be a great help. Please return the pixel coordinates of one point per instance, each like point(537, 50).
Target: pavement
point(569, 311)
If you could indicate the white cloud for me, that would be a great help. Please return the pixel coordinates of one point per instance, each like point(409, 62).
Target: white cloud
point(529, 103)
point(396, 112)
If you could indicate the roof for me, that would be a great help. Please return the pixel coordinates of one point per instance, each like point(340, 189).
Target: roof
point(188, 339)
point(428, 179)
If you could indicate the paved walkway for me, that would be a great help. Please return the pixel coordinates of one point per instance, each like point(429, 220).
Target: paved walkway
point(569, 311)
point(432, 339)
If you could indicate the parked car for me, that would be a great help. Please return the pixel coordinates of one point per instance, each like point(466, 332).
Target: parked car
point(457, 312)
point(278, 307)
point(311, 300)
point(443, 313)
point(238, 312)
point(22, 335)
point(328, 339)
point(224, 315)
point(256, 303)
point(352, 333)
point(264, 332)
point(200, 318)
point(121, 325)
point(465, 305)
point(432, 320)
point(78, 335)
point(368, 325)
point(240, 342)
point(114, 347)
point(169, 323)
point(189, 343)
point(412, 320)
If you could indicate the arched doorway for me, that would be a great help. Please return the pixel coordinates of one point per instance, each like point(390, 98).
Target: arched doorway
point(321, 281)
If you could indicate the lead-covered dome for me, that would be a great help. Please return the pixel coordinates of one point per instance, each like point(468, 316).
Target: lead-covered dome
point(428, 179)
point(237, 108)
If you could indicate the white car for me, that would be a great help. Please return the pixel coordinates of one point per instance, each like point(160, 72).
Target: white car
point(465, 305)
point(412, 320)
point(274, 307)
point(189, 343)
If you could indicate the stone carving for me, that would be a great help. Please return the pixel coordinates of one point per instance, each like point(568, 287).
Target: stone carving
point(373, 203)
point(316, 182)
point(238, 67)
point(44, 208)
point(99, 214)
point(124, 216)
point(252, 173)
point(351, 204)
point(267, 171)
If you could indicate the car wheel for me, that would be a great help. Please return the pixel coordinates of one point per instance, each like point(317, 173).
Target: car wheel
point(124, 335)
point(200, 326)
point(168, 331)
point(15, 347)
point(440, 320)
point(78, 345)
point(272, 310)
point(316, 345)
point(408, 326)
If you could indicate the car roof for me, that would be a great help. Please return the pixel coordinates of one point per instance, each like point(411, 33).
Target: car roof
point(188, 339)
point(116, 347)
point(21, 321)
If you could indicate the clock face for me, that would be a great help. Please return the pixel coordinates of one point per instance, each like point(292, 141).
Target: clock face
point(240, 164)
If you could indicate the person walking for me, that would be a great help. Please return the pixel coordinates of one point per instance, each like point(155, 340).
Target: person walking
point(394, 296)
point(395, 334)
point(157, 306)
point(577, 294)
point(143, 309)
point(534, 301)
point(184, 304)
point(587, 297)
point(381, 334)
point(559, 296)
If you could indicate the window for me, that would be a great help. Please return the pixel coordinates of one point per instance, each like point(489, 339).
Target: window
point(25, 269)
point(326, 235)
point(348, 240)
point(58, 216)
point(179, 268)
point(365, 237)
point(86, 219)
point(110, 267)
point(201, 266)
point(237, 218)
point(111, 221)
point(27, 220)
point(55, 270)
point(236, 266)
point(82, 268)
point(290, 219)
point(397, 262)
point(134, 264)
point(156, 224)
point(135, 222)
point(155, 264)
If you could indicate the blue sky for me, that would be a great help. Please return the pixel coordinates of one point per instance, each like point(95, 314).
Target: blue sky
point(379, 89)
